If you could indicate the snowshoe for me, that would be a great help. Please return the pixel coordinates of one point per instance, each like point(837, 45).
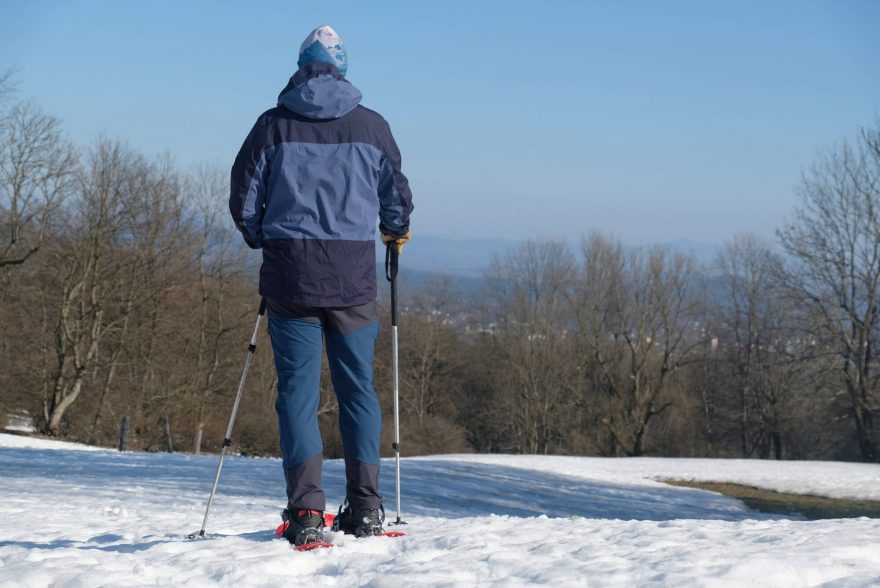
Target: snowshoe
point(353, 521)
point(305, 531)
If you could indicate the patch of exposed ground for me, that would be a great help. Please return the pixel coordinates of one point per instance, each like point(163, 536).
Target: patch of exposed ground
point(770, 501)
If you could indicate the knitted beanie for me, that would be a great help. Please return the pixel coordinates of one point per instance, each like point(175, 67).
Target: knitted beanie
point(323, 44)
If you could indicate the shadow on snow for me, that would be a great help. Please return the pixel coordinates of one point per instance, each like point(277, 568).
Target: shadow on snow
point(431, 487)
point(444, 488)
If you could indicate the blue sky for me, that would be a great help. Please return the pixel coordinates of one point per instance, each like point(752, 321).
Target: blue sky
point(654, 121)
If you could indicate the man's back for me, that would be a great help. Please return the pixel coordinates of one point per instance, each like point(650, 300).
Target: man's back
point(307, 186)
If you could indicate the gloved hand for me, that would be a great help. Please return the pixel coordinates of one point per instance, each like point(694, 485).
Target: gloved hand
point(400, 241)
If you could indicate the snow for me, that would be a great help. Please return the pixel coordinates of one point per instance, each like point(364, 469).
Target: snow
point(72, 515)
point(23, 442)
point(858, 481)
point(20, 422)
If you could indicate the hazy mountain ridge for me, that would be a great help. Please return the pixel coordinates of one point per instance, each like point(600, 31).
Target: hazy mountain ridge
point(471, 257)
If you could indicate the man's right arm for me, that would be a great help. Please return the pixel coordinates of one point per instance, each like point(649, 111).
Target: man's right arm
point(247, 184)
point(395, 198)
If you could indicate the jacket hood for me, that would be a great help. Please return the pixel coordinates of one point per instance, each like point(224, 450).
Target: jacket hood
point(317, 91)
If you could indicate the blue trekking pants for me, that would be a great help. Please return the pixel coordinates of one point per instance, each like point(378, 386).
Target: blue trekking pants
point(298, 334)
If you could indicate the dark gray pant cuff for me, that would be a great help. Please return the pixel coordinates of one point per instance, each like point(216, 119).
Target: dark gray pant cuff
point(362, 487)
point(304, 485)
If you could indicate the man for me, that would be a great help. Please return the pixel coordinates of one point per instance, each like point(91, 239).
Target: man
point(311, 179)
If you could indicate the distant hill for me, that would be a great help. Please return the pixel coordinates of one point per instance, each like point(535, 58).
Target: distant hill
point(469, 258)
point(703, 252)
point(465, 257)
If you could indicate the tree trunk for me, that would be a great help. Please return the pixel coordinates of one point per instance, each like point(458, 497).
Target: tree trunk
point(200, 427)
point(58, 409)
point(865, 435)
point(197, 438)
point(776, 442)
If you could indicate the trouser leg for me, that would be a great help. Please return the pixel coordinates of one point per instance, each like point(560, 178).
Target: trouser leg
point(296, 344)
point(350, 354)
point(362, 484)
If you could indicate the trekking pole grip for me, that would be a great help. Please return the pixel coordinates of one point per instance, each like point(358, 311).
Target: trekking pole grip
point(391, 256)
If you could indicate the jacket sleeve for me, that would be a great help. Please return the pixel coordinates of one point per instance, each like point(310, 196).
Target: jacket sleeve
point(247, 184)
point(395, 198)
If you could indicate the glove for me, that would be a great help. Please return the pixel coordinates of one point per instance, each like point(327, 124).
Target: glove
point(399, 241)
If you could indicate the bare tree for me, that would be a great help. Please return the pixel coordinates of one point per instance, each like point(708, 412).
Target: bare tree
point(527, 288)
point(155, 232)
point(834, 243)
point(220, 259)
point(86, 267)
point(7, 85)
point(428, 361)
point(36, 173)
point(752, 320)
point(430, 368)
point(638, 324)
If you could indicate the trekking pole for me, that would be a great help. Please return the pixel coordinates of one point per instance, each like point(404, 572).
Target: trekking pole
point(227, 440)
point(391, 255)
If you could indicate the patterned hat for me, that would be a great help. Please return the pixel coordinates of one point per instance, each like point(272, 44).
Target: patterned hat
point(323, 44)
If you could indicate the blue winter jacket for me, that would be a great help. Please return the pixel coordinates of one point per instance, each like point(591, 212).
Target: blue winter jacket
point(309, 183)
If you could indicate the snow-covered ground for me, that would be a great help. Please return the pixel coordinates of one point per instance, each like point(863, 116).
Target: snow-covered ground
point(78, 516)
point(821, 478)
